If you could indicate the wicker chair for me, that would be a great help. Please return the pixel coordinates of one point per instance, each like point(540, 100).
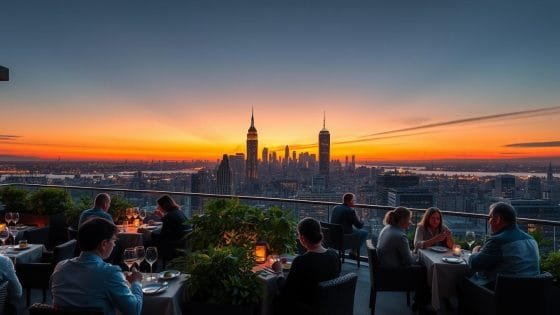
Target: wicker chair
point(512, 295)
point(37, 275)
point(389, 279)
point(336, 239)
point(45, 309)
point(336, 296)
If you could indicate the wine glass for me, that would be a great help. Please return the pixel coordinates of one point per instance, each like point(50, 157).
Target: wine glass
point(151, 258)
point(13, 232)
point(8, 218)
point(15, 217)
point(129, 257)
point(128, 214)
point(142, 214)
point(140, 255)
point(470, 238)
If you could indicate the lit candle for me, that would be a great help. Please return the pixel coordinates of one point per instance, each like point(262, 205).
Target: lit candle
point(457, 250)
point(260, 252)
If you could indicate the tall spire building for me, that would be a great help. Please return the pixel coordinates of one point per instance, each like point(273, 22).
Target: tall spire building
point(252, 151)
point(324, 150)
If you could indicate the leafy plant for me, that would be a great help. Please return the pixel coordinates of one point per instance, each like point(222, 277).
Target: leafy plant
point(220, 275)
point(14, 199)
point(229, 222)
point(118, 207)
point(50, 201)
point(552, 264)
point(73, 215)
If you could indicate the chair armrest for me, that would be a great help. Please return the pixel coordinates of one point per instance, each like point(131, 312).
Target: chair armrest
point(478, 299)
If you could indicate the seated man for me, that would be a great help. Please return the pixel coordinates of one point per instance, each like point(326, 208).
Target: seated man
point(89, 282)
point(8, 273)
point(100, 207)
point(346, 216)
point(508, 251)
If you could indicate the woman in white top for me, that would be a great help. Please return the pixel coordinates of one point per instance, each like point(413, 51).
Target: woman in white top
point(431, 231)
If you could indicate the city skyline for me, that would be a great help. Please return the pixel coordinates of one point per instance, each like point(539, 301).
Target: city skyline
point(398, 81)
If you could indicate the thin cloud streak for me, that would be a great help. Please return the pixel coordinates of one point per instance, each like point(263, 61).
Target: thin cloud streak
point(8, 137)
point(546, 144)
point(526, 113)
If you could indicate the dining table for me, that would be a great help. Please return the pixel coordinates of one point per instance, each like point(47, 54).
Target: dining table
point(168, 301)
point(131, 236)
point(31, 254)
point(445, 272)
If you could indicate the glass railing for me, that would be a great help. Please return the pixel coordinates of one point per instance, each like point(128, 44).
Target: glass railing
point(547, 232)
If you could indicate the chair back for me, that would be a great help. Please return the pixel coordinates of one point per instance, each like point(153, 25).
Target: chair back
point(37, 236)
point(45, 309)
point(334, 237)
point(522, 295)
point(373, 260)
point(63, 251)
point(72, 233)
point(390, 279)
point(336, 296)
point(3, 296)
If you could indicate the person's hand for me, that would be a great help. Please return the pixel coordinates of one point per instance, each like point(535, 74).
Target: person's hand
point(476, 249)
point(133, 276)
point(440, 237)
point(447, 233)
point(159, 213)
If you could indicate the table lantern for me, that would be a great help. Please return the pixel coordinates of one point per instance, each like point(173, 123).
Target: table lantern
point(260, 252)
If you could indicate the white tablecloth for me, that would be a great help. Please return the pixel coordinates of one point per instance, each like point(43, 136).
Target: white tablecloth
point(443, 278)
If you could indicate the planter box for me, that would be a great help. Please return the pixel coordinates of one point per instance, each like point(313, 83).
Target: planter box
point(55, 222)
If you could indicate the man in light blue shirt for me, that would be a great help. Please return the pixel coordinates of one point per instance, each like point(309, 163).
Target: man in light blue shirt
point(89, 282)
point(7, 273)
point(100, 207)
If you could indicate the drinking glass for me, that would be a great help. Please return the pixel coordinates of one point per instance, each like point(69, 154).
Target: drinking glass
point(8, 218)
point(140, 255)
point(129, 257)
point(15, 217)
point(13, 232)
point(136, 212)
point(128, 216)
point(142, 214)
point(470, 238)
point(151, 258)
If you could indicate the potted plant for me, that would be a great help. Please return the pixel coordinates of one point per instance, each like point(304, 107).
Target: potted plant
point(73, 214)
point(118, 207)
point(49, 207)
point(221, 281)
point(14, 199)
point(551, 263)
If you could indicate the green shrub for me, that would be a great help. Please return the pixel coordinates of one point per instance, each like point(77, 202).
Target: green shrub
point(118, 207)
point(15, 199)
point(47, 201)
point(551, 263)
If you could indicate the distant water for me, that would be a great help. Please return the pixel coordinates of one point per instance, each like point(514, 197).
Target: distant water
point(422, 171)
point(98, 175)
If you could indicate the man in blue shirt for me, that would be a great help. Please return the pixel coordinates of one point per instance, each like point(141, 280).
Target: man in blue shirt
point(508, 251)
point(346, 216)
point(100, 207)
point(89, 282)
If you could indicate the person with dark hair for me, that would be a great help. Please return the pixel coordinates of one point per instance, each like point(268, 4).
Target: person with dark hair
point(393, 251)
point(432, 232)
point(100, 209)
point(346, 216)
point(173, 228)
point(507, 251)
point(298, 294)
point(89, 282)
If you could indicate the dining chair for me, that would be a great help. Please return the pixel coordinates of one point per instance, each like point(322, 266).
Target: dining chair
point(37, 275)
point(336, 296)
point(335, 238)
point(511, 295)
point(46, 309)
point(389, 279)
point(37, 235)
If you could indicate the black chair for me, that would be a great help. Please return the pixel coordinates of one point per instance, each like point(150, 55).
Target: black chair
point(335, 238)
point(512, 295)
point(72, 233)
point(45, 309)
point(336, 296)
point(37, 275)
point(389, 279)
point(37, 236)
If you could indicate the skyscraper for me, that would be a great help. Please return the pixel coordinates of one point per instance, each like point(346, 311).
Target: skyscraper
point(265, 156)
point(324, 151)
point(224, 177)
point(252, 149)
point(286, 154)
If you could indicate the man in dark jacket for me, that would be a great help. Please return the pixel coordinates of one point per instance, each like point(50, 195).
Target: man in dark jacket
point(346, 216)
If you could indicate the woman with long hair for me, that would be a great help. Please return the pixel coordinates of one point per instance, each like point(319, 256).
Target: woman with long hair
point(432, 232)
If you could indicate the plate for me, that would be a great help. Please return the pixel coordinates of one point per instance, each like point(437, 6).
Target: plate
point(21, 227)
point(287, 266)
point(169, 274)
point(155, 288)
point(452, 260)
point(438, 249)
point(20, 248)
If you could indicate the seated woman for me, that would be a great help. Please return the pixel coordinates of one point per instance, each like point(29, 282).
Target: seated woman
point(298, 294)
point(393, 251)
point(8, 273)
point(431, 231)
point(173, 228)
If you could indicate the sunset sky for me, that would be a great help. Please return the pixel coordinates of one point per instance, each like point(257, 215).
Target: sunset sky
point(398, 80)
